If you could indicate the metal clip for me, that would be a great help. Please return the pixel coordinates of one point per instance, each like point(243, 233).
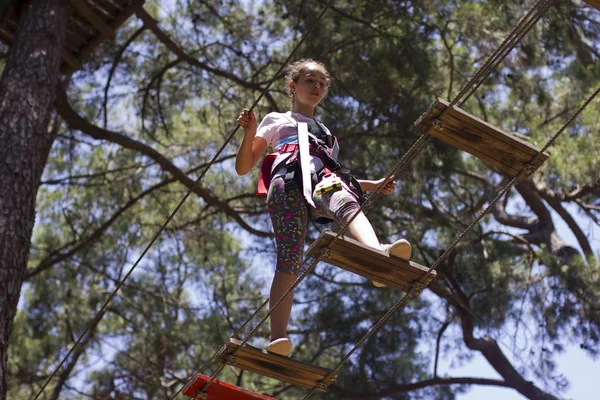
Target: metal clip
point(437, 123)
point(529, 169)
point(231, 360)
point(321, 386)
point(325, 253)
point(418, 287)
point(201, 395)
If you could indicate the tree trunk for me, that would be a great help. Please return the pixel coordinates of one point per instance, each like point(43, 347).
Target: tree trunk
point(27, 91)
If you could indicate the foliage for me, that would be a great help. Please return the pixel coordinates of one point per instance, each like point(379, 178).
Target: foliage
point(100, 202)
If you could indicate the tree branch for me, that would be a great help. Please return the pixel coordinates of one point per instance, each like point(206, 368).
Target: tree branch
point(489, 348)
point(75, 121)
point(500, 214)
point(113, 68)
point(536, 204)
point(552, 199)
point(77, 353)
point(408, 387)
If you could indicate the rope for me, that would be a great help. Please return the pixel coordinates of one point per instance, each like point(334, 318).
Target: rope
point(509, 43)
point(306, 272)
point(98, 316)
point(416, 287)
point(521, 29)
point(404, 161)
point(512, 43)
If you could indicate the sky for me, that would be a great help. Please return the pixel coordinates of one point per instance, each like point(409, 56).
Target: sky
point(577, 367)
point(574, 364)
point(581, 370)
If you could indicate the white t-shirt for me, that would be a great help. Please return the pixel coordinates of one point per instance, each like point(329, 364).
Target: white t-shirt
point(278, 129)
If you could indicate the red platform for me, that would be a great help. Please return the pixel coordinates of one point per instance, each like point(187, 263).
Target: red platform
point(219, 390)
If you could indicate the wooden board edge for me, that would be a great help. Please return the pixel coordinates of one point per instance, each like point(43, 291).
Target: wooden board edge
point(365, 250)
point(404, 284)
point(440, 104)
point(119, 20)
point(93, 19)
point(300, 365)
point(491, 129)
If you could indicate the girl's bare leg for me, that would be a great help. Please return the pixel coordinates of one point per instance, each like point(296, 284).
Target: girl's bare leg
point(281, 315)
point(360, 229)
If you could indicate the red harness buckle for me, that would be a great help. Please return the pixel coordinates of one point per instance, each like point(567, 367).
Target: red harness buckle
point(264, 178)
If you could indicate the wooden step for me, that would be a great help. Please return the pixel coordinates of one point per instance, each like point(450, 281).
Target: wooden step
point(468, 133)
point(90, 23)
point(284, 369)
point(219, 390)
point(373, 264)
point(593, 3)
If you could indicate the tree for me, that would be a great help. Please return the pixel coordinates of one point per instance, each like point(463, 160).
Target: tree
point(27, 89)
point(147, 113)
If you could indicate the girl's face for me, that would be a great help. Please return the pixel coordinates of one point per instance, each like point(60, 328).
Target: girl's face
point(311, 86)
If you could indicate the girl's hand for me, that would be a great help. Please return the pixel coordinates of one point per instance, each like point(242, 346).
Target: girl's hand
point(389, 186)
point(247, 120)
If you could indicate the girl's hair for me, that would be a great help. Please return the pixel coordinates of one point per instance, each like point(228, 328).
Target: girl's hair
point(294, 71)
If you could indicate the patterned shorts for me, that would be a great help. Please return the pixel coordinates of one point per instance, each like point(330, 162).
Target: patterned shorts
point(289, 215)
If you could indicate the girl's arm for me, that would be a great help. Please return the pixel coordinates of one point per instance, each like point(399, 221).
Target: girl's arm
point(252, 147)
point(369, 186)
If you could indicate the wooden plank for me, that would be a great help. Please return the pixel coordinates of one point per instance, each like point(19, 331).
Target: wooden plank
point(459, 134)
point(102, 10)
point(80, 26)
point(473, 133)
point(73, 62)
point(98, 23)
point(119, 4)
point(95, 41)
point(510, 141)
point(219, 390)
point(593, 3)
point(284, 369)
point(488, 128)
point(468, 133)
point(373, 264)
point(118, 21)
point(75, 41)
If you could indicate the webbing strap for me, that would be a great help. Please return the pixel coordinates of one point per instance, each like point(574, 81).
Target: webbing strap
point(305, 162)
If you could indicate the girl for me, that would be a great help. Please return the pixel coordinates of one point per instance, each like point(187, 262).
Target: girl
point(307, 84)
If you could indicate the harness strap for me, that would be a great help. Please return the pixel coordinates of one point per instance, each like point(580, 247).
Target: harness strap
point(305, 162)
point(266, 169)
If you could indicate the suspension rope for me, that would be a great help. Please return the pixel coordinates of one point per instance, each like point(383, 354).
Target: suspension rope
point(510, 42)
point(100, 313)
point(404, 161)
point(419, 284)
point(513, 38)
point(520, 34)
point(500, 54)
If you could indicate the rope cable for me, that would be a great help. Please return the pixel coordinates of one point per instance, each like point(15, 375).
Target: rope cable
point(99, 314)
point(519, 34)
point(487, 66)
point(416, 148)
point(404, 162)
point(441, 258)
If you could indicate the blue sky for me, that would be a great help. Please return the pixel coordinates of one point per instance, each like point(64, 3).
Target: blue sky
point(580, 369)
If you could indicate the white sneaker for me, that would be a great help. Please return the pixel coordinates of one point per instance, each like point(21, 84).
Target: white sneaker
point(282, 346)
point(400, 248)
